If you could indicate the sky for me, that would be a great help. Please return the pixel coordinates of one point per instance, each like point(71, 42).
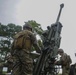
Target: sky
point(45, 13)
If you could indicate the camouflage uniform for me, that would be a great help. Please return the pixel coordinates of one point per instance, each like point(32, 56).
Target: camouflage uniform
point(63, 62)
point(23, 62)
point(66, 66)
point(8, 63)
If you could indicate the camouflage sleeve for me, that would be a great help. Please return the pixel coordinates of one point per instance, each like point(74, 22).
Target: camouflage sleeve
point(63, 59)
point(33, 38)
point(35, 43)
point(59, 62)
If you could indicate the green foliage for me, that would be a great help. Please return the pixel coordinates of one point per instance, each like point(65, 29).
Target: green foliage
point(36, 27)
point(37, 30)
point(6, 37)
point(3, 30)
point(13, 29)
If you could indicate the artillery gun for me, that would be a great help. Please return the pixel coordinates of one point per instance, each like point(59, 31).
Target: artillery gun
point(51, 42)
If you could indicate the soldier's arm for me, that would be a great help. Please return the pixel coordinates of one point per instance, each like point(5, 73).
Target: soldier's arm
point(35, 44)
point(64, 60)
point(38, 49)
point(58, 62)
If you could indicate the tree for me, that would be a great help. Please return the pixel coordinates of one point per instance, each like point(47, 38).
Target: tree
point(6, 37)
point(37, 29)
point(8, 31)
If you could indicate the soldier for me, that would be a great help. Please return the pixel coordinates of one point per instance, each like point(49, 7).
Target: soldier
point(21, 50)
point(64, 61)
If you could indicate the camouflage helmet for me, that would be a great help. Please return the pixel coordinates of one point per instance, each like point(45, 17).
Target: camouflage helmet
point(27, 26)
point(60, 51)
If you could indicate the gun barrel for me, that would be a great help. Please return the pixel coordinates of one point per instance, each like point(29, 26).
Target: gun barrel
point(61, 6)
